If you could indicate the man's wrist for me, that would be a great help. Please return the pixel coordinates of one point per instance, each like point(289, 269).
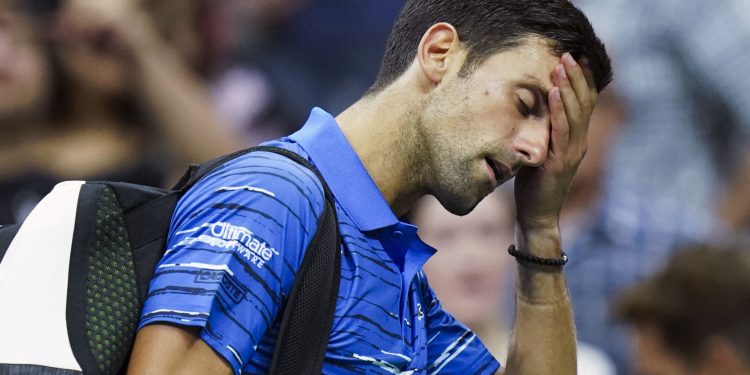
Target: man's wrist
point(533, 259)
point(540, 284)
point(541, 242)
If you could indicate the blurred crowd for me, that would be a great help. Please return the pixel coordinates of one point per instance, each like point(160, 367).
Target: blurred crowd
point(136, 90)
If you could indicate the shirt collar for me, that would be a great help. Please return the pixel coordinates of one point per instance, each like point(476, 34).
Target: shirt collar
point(344, 172)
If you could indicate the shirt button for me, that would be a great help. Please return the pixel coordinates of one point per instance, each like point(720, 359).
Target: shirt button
point(397, 234)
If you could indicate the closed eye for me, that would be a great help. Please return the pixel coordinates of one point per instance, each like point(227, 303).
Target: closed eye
point(532, 100)
point(523, 108)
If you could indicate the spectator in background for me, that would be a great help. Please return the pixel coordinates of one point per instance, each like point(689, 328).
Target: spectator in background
point(140, 58)
point(26, 97)
point(243, 90)
point(691, 318)
point(24, 71)
point(586, 192)
point(322, 53)
point(471, 273)
point(591, 279)
point(109, 96)
point(677, 169)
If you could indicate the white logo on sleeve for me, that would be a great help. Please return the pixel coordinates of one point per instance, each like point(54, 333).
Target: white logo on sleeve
point(228, 236)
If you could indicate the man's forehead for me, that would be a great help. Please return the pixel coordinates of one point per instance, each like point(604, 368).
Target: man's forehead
point(529, 64)
point(532, 80)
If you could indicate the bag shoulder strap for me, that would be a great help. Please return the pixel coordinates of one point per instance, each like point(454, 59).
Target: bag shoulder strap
point(308, 314)
point(150, 221)
point(197, 171)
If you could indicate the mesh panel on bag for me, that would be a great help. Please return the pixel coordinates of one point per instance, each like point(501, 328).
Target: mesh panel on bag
point(309, 321)
point(112, 290)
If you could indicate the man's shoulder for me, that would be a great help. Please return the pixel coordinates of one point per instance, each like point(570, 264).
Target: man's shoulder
point(268, 164)
point(260, 180)
point(259, 196)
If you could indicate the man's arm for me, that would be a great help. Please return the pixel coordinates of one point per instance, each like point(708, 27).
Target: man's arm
point(212, 299)
point(167, 349)
point(544, 339)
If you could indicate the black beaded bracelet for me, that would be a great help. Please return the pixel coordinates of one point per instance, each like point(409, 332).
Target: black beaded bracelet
point(537, 260)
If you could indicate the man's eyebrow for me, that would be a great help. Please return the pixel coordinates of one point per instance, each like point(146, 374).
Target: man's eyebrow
point(533, 80)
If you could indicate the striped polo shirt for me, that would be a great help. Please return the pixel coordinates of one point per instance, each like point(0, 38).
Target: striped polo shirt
point(238, 237)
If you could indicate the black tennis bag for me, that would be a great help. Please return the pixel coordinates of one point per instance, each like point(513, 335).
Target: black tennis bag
point(74, 274)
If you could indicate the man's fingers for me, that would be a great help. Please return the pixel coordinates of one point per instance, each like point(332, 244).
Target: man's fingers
point(578, 81)
point(569, 101)
point(589, 74)
point(560, 132)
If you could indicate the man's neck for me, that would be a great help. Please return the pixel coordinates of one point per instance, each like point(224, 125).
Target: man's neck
point(382, 130)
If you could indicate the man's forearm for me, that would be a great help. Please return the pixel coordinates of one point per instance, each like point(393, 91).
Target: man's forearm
point(543, 339)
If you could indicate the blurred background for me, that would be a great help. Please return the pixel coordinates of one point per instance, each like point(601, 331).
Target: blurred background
point(136, 90)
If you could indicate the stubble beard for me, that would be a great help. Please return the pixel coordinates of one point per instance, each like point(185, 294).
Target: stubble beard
point(454, 187)
point(447, 166)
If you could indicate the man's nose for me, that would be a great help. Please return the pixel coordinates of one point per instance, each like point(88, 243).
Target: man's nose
point(531, 146)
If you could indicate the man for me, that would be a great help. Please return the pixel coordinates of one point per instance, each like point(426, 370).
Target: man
point(691, 318)
point(469, 95)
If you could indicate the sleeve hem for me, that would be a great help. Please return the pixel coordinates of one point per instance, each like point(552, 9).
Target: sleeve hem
point(199, 322)
point(491, 364)
point(483, 364)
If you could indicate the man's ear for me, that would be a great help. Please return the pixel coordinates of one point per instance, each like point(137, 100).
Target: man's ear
point(438, 52)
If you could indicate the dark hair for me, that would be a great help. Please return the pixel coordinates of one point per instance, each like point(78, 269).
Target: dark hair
point(704, 292)
point(486, 27)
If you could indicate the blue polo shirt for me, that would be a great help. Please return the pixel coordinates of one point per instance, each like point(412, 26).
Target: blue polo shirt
point(238, 237)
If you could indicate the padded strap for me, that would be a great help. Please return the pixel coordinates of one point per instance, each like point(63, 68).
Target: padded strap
point(197, 171)
point(151, 220)
point(300, 160)
point(308, 314)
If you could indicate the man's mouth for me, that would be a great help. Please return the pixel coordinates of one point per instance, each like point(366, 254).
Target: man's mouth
point(500, 172)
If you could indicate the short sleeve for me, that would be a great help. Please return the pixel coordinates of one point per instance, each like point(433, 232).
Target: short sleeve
point(236, 241)
point(452, 348)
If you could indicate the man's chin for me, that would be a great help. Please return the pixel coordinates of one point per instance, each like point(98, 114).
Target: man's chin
point(460, 205)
